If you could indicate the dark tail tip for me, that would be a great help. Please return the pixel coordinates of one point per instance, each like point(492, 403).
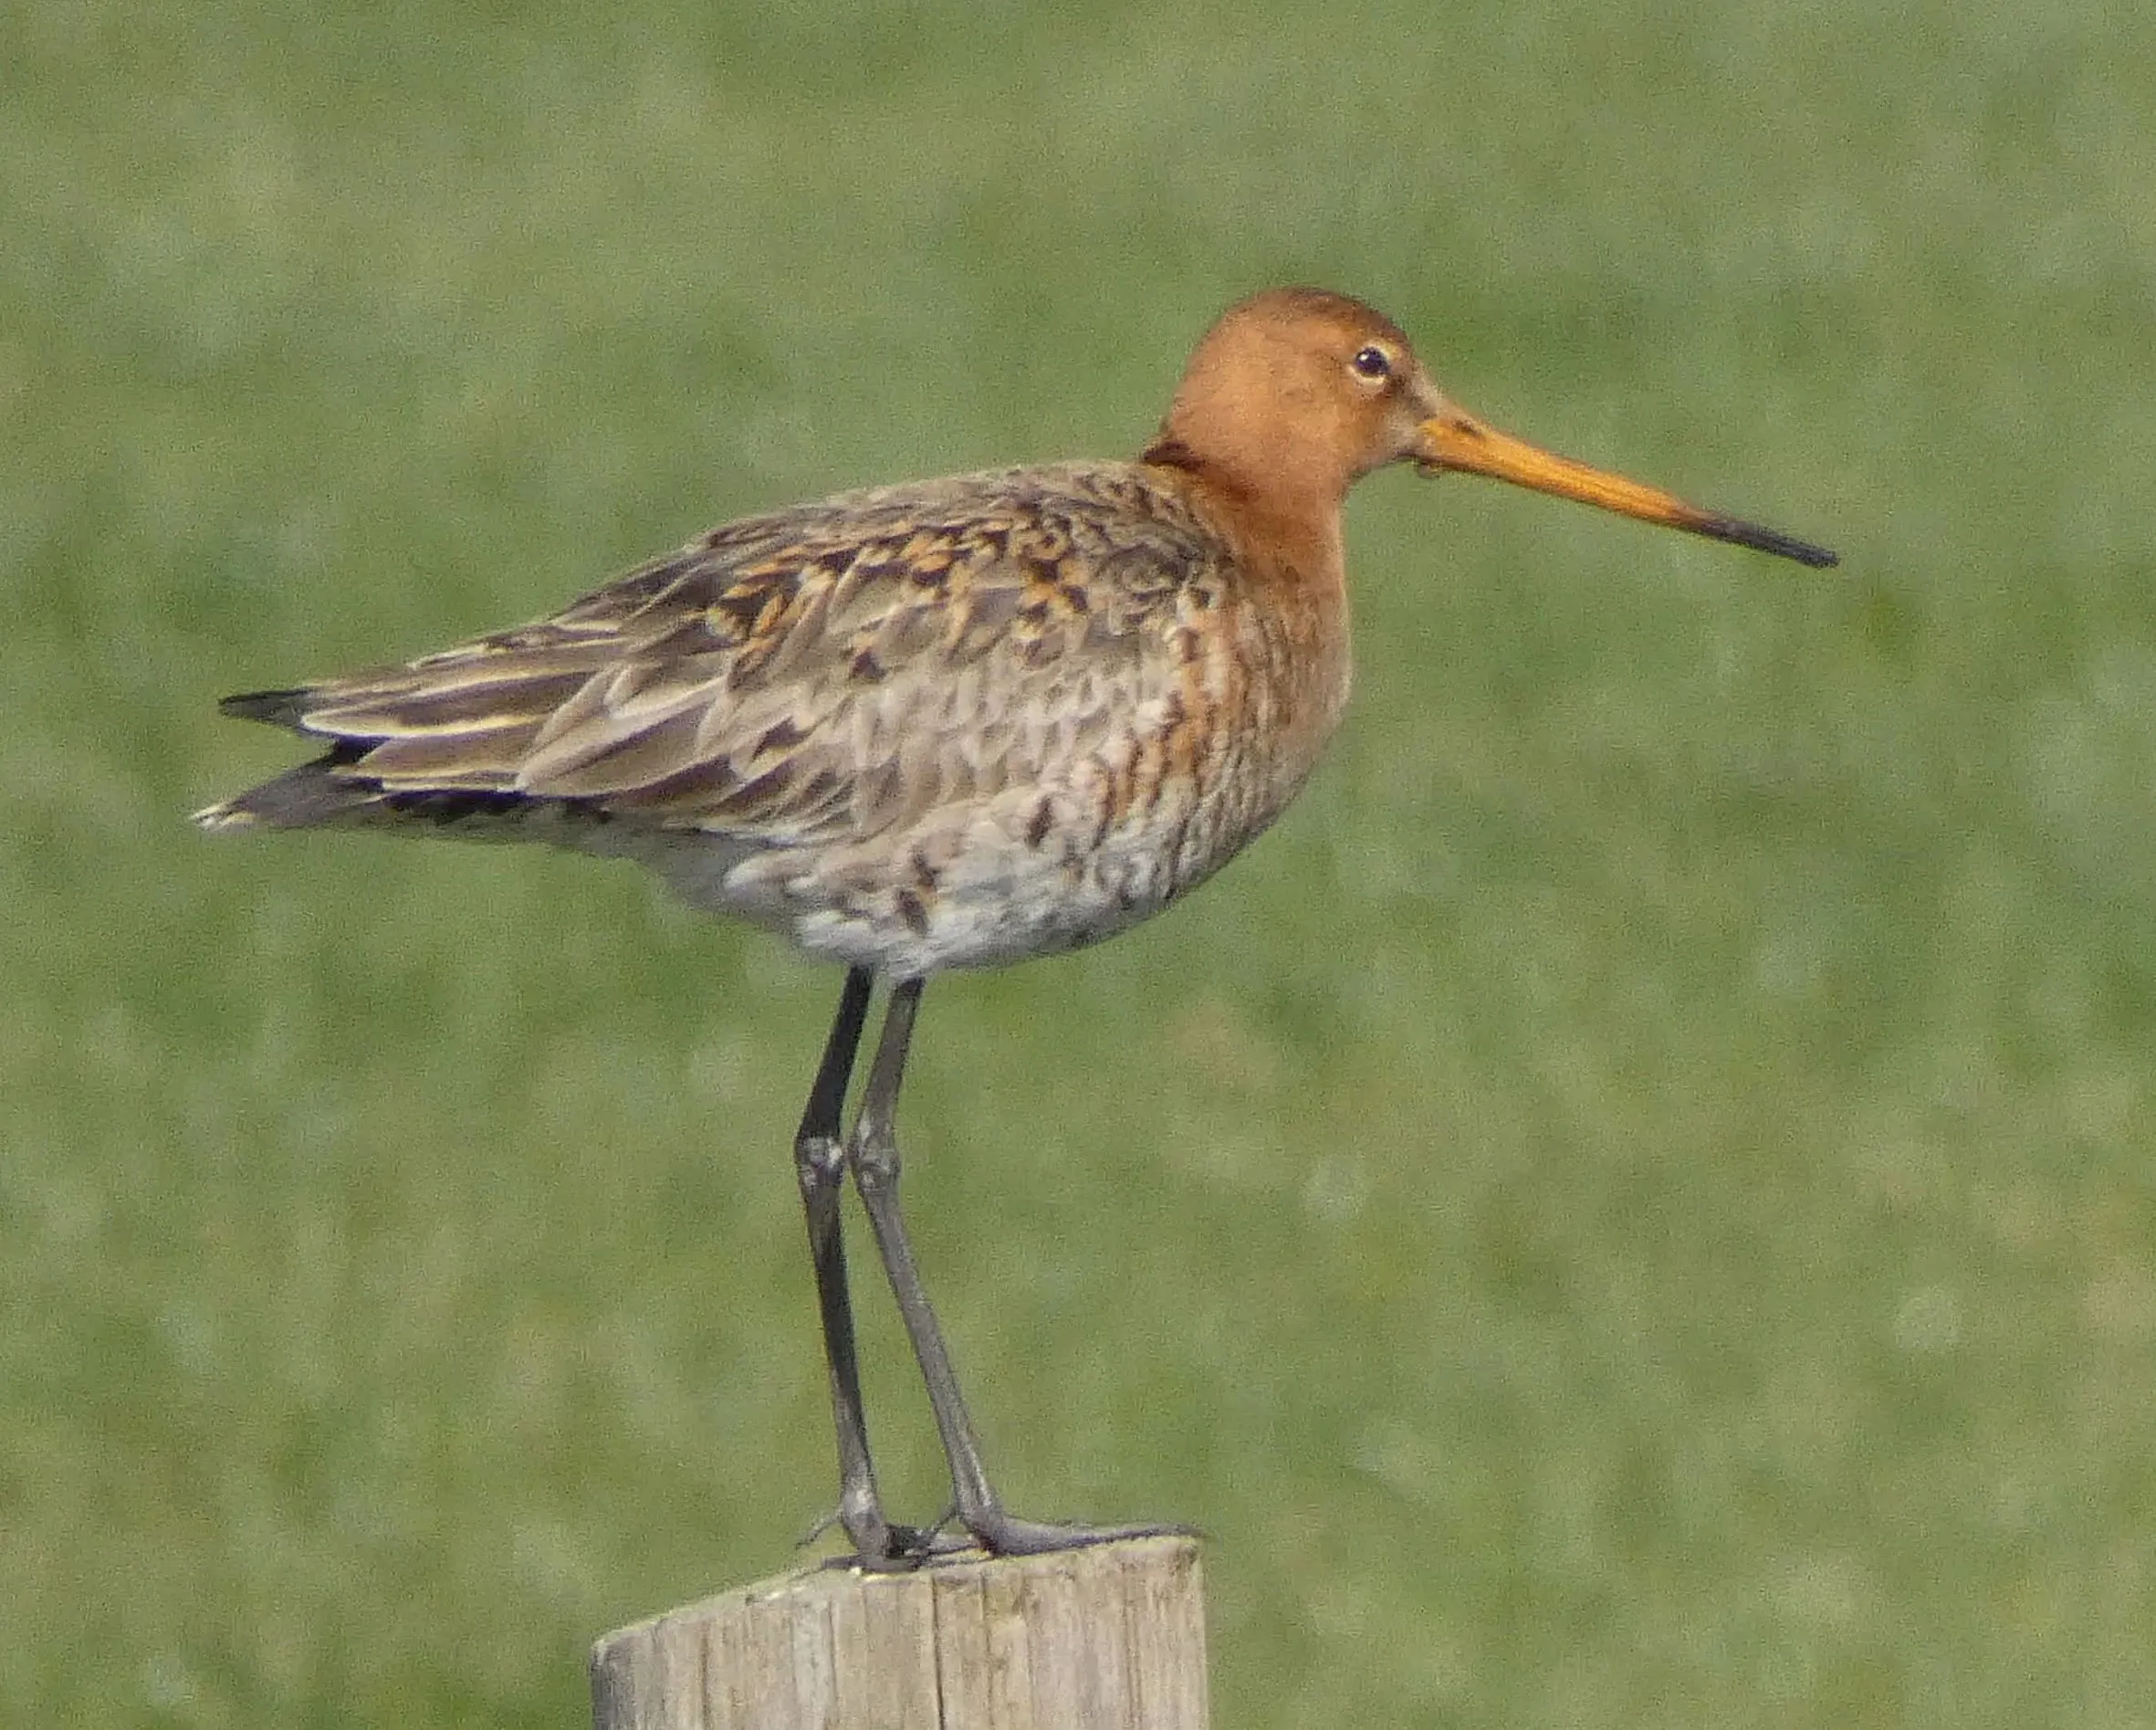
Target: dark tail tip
point(279, 709)
point(300, 798)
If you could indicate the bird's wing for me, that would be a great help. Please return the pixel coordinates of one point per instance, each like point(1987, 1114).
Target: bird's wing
point(815, 674)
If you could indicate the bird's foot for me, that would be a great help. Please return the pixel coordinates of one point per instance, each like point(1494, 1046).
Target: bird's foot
point(1000, 1534)
point(883, 1546)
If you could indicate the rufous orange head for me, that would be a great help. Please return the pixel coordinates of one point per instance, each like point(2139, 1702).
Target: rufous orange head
point(1296, 393)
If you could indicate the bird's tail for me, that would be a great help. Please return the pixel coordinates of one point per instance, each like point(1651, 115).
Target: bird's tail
point(302, 798)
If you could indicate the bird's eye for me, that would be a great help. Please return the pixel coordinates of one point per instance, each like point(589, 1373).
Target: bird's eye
point(1372, 363)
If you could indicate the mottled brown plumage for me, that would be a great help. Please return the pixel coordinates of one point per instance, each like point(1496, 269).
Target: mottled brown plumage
point(941, 725)
point(1039, 687)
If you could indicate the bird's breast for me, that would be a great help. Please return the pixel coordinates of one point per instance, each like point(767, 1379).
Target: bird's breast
point(1081, 812)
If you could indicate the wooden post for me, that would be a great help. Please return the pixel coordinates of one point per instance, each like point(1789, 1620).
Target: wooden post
point(1110, 1637)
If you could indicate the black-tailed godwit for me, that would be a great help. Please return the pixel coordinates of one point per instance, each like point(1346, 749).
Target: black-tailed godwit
point(950, 724)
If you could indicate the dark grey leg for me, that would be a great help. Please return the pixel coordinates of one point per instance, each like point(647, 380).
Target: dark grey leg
point(875, 1170)
point(820, 1163)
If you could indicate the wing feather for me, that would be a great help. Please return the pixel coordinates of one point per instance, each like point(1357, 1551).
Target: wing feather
point(816, 674)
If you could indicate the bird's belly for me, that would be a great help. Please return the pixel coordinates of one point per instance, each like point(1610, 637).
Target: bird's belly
point(1001, 881)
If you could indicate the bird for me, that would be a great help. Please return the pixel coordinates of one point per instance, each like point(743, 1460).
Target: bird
point(943, 724)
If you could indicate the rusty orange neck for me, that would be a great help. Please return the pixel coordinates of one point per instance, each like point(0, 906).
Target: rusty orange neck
point(1290, 596)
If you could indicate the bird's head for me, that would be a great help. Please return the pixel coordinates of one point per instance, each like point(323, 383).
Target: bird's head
point(1296, 394)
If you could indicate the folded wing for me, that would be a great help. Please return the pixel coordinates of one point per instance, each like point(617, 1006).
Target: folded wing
point(813, 675)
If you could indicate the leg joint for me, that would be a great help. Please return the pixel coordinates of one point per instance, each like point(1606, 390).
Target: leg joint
point(875, 1156)
point(819, 1160)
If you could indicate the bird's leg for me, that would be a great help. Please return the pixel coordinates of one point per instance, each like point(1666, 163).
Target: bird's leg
point(819, 1164)
point(874, 1160)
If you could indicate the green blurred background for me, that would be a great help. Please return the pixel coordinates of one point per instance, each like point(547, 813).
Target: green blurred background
point(1633, 1207)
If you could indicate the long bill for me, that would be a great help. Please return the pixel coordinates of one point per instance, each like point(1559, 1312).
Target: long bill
point(1457, 441)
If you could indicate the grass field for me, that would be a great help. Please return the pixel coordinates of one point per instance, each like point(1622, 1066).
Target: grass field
point(1634, 1207)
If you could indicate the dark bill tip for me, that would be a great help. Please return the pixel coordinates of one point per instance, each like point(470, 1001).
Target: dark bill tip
point(1749, 534)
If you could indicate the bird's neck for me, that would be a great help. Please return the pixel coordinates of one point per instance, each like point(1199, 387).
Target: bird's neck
point(1285, 525)
point(1289, 573)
